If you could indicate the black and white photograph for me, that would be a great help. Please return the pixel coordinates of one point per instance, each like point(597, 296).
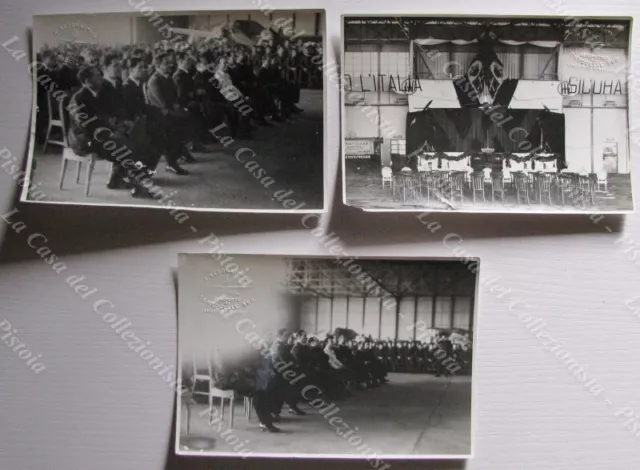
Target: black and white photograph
point(211, 110)
point(359, 358)
point(500, 114)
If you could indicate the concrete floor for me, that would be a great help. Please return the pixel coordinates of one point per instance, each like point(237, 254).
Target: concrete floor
point(414, 414)
point(364, 190)
point(218, 180)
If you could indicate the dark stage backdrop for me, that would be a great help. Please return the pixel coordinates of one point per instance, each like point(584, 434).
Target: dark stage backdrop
point(470, 130)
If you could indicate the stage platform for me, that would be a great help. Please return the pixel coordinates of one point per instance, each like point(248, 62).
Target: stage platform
point(414, 414)
point(364, 190)
point(218, 179)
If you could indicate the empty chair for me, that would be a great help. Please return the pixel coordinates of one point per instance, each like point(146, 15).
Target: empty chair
point(206, 377)
point(199, 377)
point(410, 186)
point(507, 179)
point(222, 395)
point(522, 187)
point(387, 176)
point(569, 187)
point(602, 182)
point(587, 185)
point(55, 121)
point(477, 185)
point(497, 186)
point(544, 188)
point(487, 175)
point(456, 186)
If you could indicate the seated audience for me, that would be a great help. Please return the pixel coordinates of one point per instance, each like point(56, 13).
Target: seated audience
point(165, 101)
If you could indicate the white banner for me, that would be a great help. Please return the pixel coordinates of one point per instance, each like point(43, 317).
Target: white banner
point(594, 72)
point(358, 147)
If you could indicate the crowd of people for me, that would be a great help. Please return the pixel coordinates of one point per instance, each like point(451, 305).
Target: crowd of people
point(337, 365)
point(165, 100)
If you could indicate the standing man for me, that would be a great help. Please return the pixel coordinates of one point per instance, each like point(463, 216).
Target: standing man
point(264, 395)
point(285, 393)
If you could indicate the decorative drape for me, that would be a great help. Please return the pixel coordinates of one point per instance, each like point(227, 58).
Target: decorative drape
point(470, 130)
point(462, 42)
point(443, 62)
point(435, 42)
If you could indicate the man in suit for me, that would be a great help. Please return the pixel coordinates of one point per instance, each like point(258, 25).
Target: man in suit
point(185, 86)
point(112, 88)
point(145, 121)
point(135, 105)
point(264, 394)
point(162, 94)
point(285, 392)
point(183, 78)
point(94, 130)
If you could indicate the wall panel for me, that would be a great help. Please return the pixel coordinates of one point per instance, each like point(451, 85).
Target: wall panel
point(355, 314)
point(339, 313)
point(308, 315)
point(324, 315)
point(406, 318)
point(443, 312)
point(372, 317)
point(388, 323)
point(425, 309)
point(462, 312)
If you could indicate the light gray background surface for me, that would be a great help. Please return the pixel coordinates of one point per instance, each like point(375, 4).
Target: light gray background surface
point(98, 405)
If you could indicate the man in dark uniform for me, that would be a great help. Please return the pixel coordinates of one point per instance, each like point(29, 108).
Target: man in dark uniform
point(112, 86)
point(264, 395)
point(135, 105)
point(185, 86)
point(68, 67)
point(405, 354)
point(146, 120)
point(207, 91)
point(286, 392)
point(162, 94)
point(294, 78)
point(443, 344)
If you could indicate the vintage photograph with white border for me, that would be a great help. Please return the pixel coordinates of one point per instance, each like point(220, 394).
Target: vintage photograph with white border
point(486, 114)
point(314, 357)
point(207, 111)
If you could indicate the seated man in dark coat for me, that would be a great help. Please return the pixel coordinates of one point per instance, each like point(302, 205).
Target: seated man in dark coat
point(162, 94)
point(94, 130)
point(185, 86)
point(112, 88)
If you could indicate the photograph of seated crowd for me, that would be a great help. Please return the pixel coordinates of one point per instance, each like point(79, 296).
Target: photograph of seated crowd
point(232, 102)
point(486, 114)
point(354, 343)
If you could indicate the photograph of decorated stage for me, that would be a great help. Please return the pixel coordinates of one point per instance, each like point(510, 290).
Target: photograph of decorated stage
point(194, 110)
point(306, 357)
point(486, 114)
